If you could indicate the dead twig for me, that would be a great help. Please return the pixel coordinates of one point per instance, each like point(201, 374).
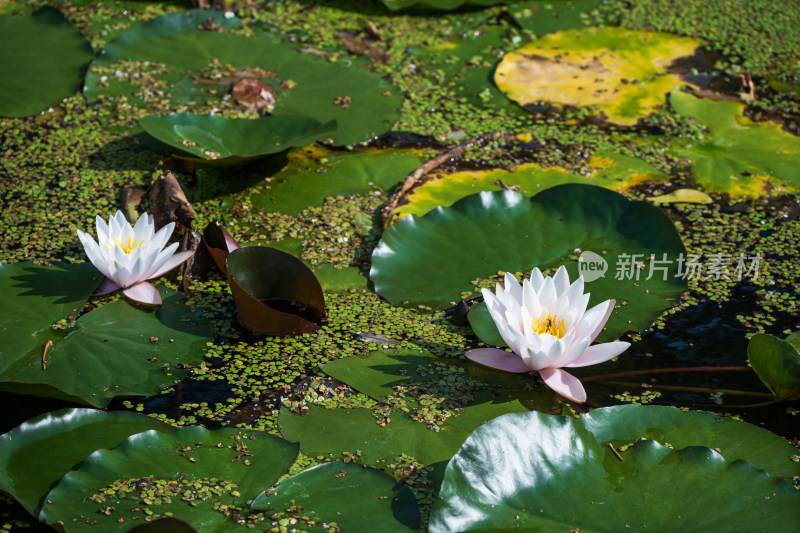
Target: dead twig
point(418, 177)
point(44, 354)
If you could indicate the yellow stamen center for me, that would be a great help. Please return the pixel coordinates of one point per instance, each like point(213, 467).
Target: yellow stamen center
point(549, 325)
point(127, 246)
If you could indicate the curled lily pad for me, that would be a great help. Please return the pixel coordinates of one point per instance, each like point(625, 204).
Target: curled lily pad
point(230, 140)
point(777, 363)
point(44, 59)
point(181, 55)
point(353, 497)
point(219, 244)
point(622, 72)
point(114, 350)
point(36, 454)
point(430, 260)
point(738, 156)
point(275, 293)
point(204, 478)
point(554, 473)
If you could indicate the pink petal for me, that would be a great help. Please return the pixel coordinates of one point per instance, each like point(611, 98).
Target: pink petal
point(143, 293)
point(106, 286)
point(497, 358)
point(599, 353)
point(564, 383)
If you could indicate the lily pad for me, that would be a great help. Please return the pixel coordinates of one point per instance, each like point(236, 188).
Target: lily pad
point(395, 5)
point(36, 454)
point(43, 61)
point(550, 16)
point(611, 170)
point(738, 156)
point(182, 49)
point(777, 363)
point(622, 72)
point(202, 477)
point(275, 293)
point(313, 174)
point(493, 231)
point(473, 396)
point(552, 473)
point(114, 350)
point(229, 140)
point(219, 244)
point(353, 497)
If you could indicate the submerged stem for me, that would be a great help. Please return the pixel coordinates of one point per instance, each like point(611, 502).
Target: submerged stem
point(732, 392)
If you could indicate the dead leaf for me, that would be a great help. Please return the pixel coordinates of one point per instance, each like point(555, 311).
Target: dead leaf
point(688, 196)
point(255, 95)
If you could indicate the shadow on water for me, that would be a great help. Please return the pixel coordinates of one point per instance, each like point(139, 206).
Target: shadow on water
point(705, 335)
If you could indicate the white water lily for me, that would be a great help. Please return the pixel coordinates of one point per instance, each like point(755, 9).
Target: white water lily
point(128, 256)
point(545, 323)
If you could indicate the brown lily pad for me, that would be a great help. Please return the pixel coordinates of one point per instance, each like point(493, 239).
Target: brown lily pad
point(275, 293)
point(219, 244)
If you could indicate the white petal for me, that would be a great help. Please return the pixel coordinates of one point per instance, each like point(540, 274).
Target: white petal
point(537, 279)
point(599, 353)
point(610, 308)
point(564, 383)
point(143, 230)
point(162, 236)
point(535, 358)
point(592, 322)
point(531, 301)
point(173, 261)
point(572, 352)
point(102, 230)
point(513, 289)
point(94, 253)
point(547, 294)
point(128, 273)
point(116, 224)
point(158, 259)
point(561, 280)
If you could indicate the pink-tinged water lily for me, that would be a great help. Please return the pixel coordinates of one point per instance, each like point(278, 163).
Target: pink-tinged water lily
point(545, 323)
point(128, 256)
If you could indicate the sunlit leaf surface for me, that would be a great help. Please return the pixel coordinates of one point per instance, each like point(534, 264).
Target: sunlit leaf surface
point(622, 72)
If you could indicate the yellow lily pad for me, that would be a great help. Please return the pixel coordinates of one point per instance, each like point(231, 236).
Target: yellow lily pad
point(611, 170)
point(687, 196)
point(737, 156)
point(622, 72)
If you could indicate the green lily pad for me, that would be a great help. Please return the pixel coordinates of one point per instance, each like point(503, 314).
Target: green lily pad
point(229, 140)
point(611, 170)
point(505, 231)
point(36, 454)
point(313, 174)
point(463, 392)
point(184, 51)
point(550, 16)
point(114, 350)
point(353, 497)
point(738, 156)
point(43, 61)
point(777, 363)
point(552, 473)
point(193, 473)
point(622, 72)
point(395, 5)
